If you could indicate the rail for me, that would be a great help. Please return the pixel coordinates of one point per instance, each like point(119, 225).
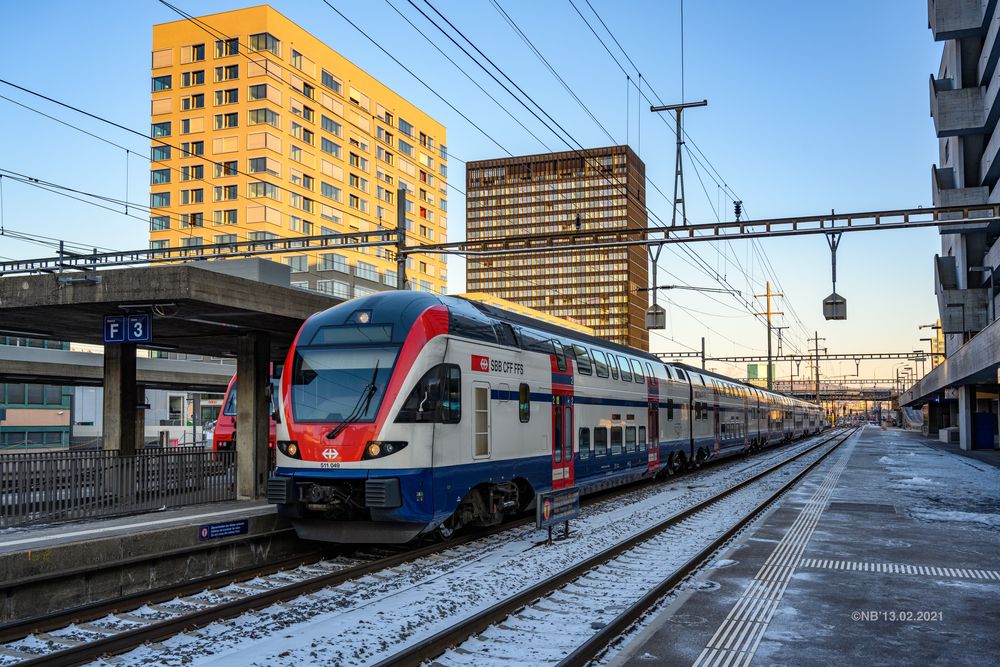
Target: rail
point(431, 647)
point(38, 487)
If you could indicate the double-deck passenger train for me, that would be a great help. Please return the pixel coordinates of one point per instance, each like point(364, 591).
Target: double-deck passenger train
point(405, 413)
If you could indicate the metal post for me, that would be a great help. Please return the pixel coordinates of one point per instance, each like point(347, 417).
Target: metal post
point(654, 255)
point(768, 293)
point(401, 239)
point(702, 347)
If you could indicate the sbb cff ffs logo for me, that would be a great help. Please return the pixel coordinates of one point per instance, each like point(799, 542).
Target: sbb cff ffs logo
point(480, 363)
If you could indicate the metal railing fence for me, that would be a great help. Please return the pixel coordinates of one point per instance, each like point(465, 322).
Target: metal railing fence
point(39, 487)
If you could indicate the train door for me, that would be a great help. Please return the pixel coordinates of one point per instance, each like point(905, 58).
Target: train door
point(653, 438)
point(562, 439)
point(717, 412)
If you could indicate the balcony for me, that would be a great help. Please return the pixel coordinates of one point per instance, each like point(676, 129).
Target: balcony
point(952, 19)
point(962, 310)
point(945, 192)
point(957, 112)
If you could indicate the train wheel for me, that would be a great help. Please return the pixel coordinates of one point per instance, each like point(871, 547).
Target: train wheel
point(446, 530)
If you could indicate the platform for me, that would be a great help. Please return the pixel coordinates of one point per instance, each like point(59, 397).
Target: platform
point(53, 567)
point(887, 554)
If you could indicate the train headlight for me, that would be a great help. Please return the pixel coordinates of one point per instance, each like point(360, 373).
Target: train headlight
point(376, 449)
point(289, 448)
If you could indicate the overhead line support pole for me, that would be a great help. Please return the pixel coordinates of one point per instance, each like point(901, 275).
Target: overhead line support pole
point(654, 250)
point(769, 313)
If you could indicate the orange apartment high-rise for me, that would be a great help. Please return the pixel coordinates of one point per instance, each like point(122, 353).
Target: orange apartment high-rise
point(270, 133)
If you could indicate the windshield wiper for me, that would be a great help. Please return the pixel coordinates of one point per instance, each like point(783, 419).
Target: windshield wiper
point(366, 396)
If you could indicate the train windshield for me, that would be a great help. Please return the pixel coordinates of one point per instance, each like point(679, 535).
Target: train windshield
point(329, 384)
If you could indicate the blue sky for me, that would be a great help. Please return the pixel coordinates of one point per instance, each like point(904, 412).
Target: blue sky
point(812, 106)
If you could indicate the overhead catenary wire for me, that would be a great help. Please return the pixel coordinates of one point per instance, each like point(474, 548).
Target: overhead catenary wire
point(708, 166)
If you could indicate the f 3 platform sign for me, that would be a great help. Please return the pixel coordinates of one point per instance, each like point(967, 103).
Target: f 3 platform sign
point(128, 328)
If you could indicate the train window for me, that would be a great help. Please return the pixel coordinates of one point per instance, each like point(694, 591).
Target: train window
point(506, 335)
point(600, 441)
point(533, 343)
point(626, 373)
point(583, 365)
point(680, 375)
point(670, 376)
point(616, 440)
point(481, 425)
point(560, 355)
point(650, 374)
point(670, 409)
point(600, 363)
point(642, 438)
point(523, 403)
point(630, 439)
point(637, 371)
point(613, 366)
point(436, 398)
point(584, 443)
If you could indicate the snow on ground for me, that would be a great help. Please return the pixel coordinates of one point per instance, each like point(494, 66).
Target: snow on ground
point(934, 485)
point(370, 618)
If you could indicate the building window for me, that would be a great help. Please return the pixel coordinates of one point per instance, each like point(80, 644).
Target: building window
point(405, 128)
point(227, 168)
point(367, 271)
point(226, 120)
point(330, 125)
point(159, 245)
point(225, 238)
point(226, 217)
point(159, 176)
point(193, 78)
point(159, 200)
point(194, 196)
point(331, 261)
point(225, 192)
point(359, 162)
point(192, 148)
point(159, 223)
point(192, 242)
point(335, 288)
point(298, 263)
point(227, 73)
point(262, 165)
point(331, 82)
point(162, 82)
point(405, 148)
point(192, 220)
point(265, 41)
point(193, 102)
point(161, 129)
point(262, 236)
point(328, 190)
point(329, 147)
point(257, 92)
point(262, 189)
point(226, 47)
point(228, 96)
point(264, 117)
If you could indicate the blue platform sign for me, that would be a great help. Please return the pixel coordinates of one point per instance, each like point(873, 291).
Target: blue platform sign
point(114, 329)
point(128, 328)
point(214, 531)
point(139, 329)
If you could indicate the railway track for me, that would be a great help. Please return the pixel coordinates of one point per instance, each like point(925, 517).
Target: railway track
point(88, 634)
point(571, 610)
